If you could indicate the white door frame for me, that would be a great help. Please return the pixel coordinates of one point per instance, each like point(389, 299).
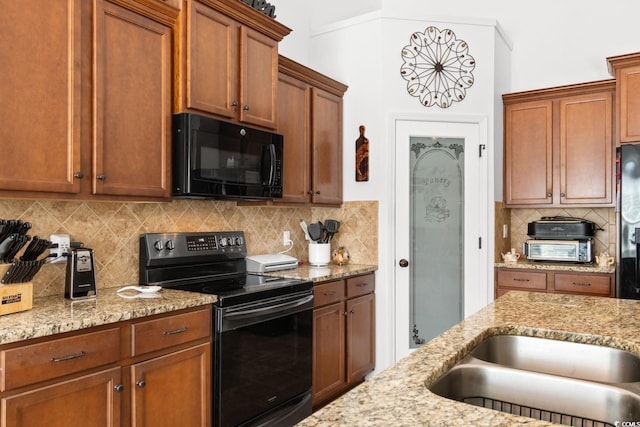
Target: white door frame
point(484, 293)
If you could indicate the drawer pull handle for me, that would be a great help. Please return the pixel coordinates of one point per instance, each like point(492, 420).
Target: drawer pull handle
point(581, 284)
point(329, 294)
point(69, 357)
point(515, 279)
point(362, 285)
point(177, 331)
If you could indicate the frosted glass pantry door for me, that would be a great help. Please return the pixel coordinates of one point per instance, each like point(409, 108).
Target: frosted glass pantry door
point(440, 218)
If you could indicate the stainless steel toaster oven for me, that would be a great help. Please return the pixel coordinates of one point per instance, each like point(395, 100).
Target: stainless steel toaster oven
point(572, 251)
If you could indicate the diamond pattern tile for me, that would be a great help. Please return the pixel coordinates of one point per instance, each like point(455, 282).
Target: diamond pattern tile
point(111, 229)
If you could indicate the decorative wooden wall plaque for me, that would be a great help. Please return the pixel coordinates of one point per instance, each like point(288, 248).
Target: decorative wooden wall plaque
point(362, 157)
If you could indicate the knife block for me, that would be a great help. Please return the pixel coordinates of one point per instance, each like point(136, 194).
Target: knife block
point(16, 296)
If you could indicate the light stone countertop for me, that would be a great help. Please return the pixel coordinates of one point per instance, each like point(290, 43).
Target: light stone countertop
point(322, 274)
point(398, 396)
point(55, 314)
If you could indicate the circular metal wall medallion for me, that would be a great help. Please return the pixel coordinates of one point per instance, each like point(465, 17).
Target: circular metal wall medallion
point(437, 67)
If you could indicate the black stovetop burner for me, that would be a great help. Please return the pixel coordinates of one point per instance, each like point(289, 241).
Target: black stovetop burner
point(209, 262)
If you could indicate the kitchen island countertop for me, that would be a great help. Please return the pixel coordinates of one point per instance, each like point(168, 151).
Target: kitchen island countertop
point(55, 314)
point(399, 396)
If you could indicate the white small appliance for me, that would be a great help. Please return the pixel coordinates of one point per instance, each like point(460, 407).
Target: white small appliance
point(270, 262)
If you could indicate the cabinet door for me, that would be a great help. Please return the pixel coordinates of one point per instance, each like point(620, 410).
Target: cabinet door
point(294, 114)
point(360, 337)
point(40, 93)
point(329, 375)
point(528, 153)
point(132, 98)
point(586, 149)
point(628, 87)
point(212, 61)
point(326, 140)
point(259, 76)
point(172, 390)
point(90, 400)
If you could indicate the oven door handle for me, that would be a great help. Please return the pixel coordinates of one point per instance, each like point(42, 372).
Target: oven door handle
point(271, 309)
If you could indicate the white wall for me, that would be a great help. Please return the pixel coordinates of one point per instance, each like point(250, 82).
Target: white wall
point(546, 43)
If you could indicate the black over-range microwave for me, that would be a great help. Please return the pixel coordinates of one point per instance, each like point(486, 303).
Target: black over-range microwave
point(220, 160)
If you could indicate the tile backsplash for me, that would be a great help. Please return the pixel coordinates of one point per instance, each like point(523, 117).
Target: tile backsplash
point(112, 229)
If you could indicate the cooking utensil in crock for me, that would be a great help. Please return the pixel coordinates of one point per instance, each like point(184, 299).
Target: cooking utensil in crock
point(332, 226)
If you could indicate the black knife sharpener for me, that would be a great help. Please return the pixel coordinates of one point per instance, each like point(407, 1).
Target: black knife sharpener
point(80, 282)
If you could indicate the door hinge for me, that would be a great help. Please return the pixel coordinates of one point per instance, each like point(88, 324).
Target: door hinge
point(480, 148)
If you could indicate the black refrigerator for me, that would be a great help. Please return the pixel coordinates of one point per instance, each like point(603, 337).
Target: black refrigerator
point(628, 271)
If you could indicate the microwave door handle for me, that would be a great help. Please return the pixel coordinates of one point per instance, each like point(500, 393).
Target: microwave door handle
point(271, 149)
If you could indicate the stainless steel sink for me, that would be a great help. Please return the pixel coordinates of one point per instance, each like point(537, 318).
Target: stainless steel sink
point(561, 382)
point(569, 359)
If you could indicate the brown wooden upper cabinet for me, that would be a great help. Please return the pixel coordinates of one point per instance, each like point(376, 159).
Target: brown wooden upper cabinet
point(626, 70)
point(229, 63)
point(310, 118)
point(86, 98)
point(559, 148)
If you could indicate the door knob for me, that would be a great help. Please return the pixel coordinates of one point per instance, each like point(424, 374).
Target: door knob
point(403, 263)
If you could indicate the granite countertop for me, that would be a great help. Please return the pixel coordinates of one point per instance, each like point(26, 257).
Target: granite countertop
point(321, 274)
point(55, 314)
point(399, 396)
point(581, 268)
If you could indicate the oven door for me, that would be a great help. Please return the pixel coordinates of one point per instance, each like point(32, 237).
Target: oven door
point(263, 362)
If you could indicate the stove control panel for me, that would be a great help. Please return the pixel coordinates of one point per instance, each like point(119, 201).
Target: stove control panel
point(183, 246)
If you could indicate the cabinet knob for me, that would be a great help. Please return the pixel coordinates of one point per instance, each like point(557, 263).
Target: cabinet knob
point(549, 194)
point(234, 104)
point(310, 193)
point(101, 177)
point(141, 383)
point(403, 263)
point(317, 192)
point(119, 388)
point(562, 195)
point(245, 108)
point(78, 175)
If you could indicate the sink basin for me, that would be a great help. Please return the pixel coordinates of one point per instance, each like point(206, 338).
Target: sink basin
point(556, 381)
point(569, 359)
point(545, 397)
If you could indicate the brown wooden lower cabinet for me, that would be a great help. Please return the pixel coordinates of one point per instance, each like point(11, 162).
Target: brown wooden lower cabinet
point(343, 336)
point(87, 400)
point(553, 281)
point(154, 371)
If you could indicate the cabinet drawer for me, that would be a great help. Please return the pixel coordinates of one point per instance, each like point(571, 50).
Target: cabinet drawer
point(586, 284)
point(328, 293)
point(360, 285)
point(43, 361)
point(169, 331)
point(522, 279)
